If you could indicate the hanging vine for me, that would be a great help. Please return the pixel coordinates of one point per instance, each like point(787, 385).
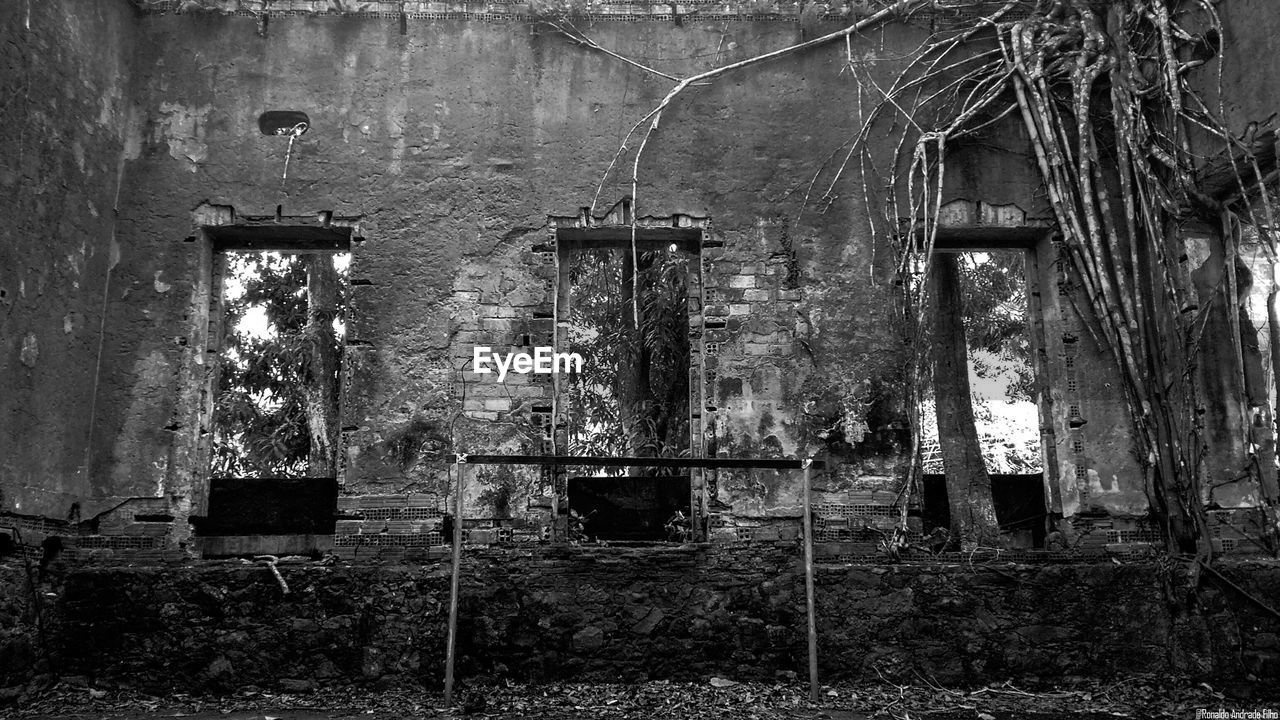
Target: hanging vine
point(1103, 93)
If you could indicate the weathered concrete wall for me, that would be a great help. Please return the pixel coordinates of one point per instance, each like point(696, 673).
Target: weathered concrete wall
point(1246, 69)
point(1237, 85)
point(1241, 85)
point(67, 125)
point(453, 143)
point(449, 146)
point(615, 614)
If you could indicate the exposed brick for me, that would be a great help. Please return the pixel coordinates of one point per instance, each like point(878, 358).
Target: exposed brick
point(489, 388)
point(502, 327)
point(530, 391)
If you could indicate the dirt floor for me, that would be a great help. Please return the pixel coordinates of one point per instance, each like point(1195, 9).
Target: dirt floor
point(1137, 697)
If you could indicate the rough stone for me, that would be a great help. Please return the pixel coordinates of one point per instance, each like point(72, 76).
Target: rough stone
point(296, 685)
point(577, 615)
point(588, 639)
point(647, 624)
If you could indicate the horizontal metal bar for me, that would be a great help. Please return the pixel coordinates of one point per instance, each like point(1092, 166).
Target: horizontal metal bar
point(576, 460)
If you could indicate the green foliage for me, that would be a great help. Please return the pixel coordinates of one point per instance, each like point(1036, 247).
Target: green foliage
point(260, 418)
point(1002, 381)
point(632, 397)
point(995, 317)
point(995, 320)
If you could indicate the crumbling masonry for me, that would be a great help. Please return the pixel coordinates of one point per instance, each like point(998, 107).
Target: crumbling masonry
point(454, 149)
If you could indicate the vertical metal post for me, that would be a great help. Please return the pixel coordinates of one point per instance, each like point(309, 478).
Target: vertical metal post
point(553, 425)
point(808, 588)
point(461, 467)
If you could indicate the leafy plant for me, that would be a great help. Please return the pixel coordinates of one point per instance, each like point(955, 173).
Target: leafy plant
point(266, 363)
point(632, 397)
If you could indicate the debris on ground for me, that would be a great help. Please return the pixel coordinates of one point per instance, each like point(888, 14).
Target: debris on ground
point(721, 698)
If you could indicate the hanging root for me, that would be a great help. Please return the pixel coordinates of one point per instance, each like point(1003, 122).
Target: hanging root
point(1106, 104)
point(1104, 100)
point(655, 115)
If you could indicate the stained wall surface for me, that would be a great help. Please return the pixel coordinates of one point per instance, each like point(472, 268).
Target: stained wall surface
point(68, 126)
point(454, 143)
point(455, 149)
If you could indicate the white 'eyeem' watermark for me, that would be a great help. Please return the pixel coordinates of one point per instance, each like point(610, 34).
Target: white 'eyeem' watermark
point(543, 361)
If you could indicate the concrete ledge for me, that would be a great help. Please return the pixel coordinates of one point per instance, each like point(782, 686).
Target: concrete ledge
point(234, 545)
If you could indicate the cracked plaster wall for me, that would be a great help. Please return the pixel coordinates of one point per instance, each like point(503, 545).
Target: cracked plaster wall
point(451, 145)
point(454, 143)
point(67, 127)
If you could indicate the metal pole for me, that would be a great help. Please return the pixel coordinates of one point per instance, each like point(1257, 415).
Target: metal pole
point(461, 467)
point(808, 590)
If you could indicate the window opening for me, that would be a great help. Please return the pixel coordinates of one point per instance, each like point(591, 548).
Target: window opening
point(1001, 377)
point(982, 303)
point(280, 329)
point(632, 398)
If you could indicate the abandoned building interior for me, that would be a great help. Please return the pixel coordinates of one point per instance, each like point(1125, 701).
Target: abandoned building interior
point(310, 278)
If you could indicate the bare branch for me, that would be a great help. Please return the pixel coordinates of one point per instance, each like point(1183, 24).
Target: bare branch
point(579, 37)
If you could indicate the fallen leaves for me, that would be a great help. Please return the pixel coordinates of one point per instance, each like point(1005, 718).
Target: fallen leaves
point(720, 698)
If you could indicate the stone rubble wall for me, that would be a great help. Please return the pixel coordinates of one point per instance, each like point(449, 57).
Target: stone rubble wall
point(629, 614)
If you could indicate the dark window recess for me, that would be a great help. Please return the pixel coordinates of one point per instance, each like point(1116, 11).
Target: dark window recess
point(1019, 501)
point(628, 508)
point(269, 506)
point(283, 122)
